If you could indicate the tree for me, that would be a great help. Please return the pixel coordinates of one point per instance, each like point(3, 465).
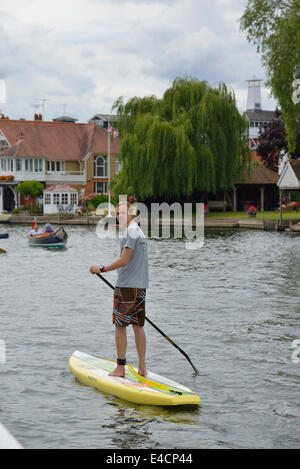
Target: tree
point(31, 189)
point(272, 140)
point(193, 139)
point(274, 27)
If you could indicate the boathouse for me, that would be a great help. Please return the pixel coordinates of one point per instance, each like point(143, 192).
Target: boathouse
point(259, 188)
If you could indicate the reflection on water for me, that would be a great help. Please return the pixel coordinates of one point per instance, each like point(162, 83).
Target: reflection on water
point(232, 306)
point(133, 424)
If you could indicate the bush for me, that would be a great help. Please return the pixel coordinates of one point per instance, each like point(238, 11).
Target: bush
point(295, 197)
point(31, 189)
point(99, 199)
point(21, 209)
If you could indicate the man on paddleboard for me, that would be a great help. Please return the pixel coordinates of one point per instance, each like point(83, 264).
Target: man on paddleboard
point(130, 290)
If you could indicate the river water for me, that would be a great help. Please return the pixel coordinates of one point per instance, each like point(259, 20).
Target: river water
point(232, 306)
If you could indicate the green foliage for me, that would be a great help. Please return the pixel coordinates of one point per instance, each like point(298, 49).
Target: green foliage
point(193, 139)
point(20, 209)
point(295, 197)
point(31, 189)
point(274, 26)
point(98, 199)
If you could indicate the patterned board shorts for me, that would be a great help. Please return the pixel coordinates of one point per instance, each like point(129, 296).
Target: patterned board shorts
point(129, 306)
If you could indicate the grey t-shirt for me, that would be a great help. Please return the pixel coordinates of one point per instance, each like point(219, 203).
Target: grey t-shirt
point(135, 273)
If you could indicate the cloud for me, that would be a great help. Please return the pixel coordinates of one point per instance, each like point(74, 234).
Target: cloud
point(87, 53)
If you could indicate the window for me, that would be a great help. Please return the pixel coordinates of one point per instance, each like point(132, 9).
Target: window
point(252, 124)
point(56, 166)
point(256, 124)
point(7, 164)
point(56, 199)
point(118, 165)
point(100, 170)
point(64, 199)
point(18, 164)
point(29, 165)
point(73, 199)
point(101, 188)
point(47, 199)
point(3, 145)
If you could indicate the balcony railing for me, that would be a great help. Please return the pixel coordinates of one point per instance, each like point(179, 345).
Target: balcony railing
point(65, 176)
point(48, 176)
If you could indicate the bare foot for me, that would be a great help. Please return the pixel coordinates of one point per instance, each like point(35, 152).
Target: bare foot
point(143, 370)
point(118, 372)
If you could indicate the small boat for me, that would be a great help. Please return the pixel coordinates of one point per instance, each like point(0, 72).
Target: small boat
point(4, 236)
point(2, 251)
point(57, 239)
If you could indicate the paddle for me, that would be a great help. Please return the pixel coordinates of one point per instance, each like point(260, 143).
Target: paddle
point(158, 330)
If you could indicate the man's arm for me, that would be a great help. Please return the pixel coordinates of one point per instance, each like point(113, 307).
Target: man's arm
point(121, 262)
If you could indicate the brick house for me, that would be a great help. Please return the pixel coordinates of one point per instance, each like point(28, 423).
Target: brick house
point(54, 152)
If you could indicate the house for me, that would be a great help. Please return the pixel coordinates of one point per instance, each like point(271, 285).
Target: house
point(257, 117)
point(104, 120)
point(56, 152)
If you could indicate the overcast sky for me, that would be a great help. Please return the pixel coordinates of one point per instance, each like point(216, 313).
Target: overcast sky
point(81, 55)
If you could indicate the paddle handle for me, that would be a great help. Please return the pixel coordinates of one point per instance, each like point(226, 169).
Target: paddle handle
point(158, 330)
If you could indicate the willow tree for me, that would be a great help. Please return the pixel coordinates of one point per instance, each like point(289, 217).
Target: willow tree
point(193, 139)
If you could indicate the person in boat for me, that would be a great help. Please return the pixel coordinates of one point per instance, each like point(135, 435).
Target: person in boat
point(48, 228)
point(130, 291)
point(35, 231)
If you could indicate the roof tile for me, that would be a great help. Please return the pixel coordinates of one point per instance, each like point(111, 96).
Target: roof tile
point(55, 140)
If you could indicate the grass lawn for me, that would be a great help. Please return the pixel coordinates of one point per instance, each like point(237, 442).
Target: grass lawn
point(272, 215)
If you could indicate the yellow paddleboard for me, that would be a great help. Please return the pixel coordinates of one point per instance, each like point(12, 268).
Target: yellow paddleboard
point(152, 390)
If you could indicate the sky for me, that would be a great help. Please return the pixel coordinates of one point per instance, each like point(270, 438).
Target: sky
point(77, 57)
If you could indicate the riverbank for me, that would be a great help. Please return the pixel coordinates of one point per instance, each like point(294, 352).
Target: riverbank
point(235, 221)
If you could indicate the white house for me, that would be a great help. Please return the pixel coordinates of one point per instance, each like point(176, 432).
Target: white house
point(60, 198)
point(258, 118)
